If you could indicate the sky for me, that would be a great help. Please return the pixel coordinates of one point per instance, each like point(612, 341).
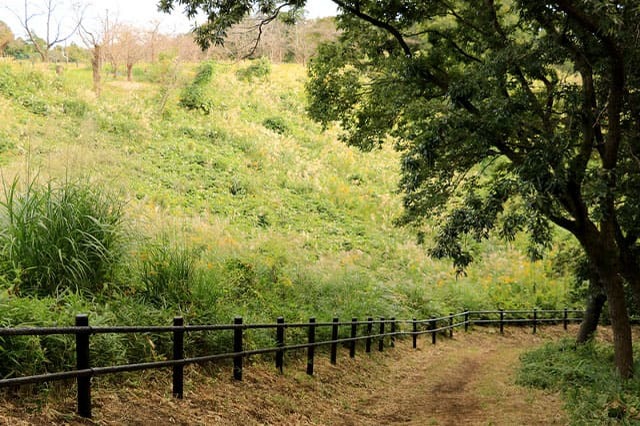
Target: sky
point(140, 13)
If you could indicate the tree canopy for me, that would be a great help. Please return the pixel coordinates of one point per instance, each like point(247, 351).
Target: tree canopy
point(510, 115)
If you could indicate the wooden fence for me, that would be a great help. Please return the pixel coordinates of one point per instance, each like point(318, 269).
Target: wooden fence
point(381, 331)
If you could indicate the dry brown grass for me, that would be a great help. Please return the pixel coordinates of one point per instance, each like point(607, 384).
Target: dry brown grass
point(465, 380)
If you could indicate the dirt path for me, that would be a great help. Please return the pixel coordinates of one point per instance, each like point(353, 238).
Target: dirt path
point(465, 381)
point(468, 380)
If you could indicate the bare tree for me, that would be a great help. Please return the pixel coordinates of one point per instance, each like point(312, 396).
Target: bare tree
point(153, 40)
point(54, 33)
point(95, 39)
point(126, 47)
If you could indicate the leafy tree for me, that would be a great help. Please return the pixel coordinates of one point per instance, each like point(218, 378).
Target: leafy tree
point(511, 115)
point(77, 54)
point(19, 49)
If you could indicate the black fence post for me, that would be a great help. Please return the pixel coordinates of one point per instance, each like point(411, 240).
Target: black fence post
point(83, 363)
point(501, 321)
point(280, 344)
point(178, 354)
point(432, 327)
point(237, 348)
point(393, 332)
point(312, 349)
point(535, 320)
point(367, 344)
point(466, 320)
point(451, 325)
point(334, 337)
point(354, 334)
point(415, 333)
point(381, 341)
point(565, 320)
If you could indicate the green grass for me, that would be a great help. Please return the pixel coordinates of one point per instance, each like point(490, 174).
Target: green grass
point(585, 375)
point(58, 237)
point(248, 210)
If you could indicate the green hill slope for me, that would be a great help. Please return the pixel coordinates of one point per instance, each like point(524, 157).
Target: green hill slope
point(249, 209)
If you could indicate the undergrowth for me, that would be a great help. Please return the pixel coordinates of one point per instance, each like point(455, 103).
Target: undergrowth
point(585, 376)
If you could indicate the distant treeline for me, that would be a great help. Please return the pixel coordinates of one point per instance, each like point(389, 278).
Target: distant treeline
point(122, 45)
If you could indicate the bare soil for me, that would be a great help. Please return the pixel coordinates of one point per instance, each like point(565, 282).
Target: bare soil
point(467, 380)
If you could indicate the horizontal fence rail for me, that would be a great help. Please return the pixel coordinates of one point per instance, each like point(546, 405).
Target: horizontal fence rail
point(381, 331)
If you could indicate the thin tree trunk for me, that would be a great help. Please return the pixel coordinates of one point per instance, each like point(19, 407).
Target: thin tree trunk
point(96, 64)
point(595, 303)
point(129, 72)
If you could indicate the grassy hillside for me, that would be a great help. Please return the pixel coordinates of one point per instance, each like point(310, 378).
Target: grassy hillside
point(241, 207)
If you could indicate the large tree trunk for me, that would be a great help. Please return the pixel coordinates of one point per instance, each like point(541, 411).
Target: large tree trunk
point(129, 72)
point(620, 325)
point(605, 257)
point(631, 274)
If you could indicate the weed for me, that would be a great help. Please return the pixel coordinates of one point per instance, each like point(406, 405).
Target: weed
point(259, 68)
point(75, 107)
point(276, 124)
point(59, 236)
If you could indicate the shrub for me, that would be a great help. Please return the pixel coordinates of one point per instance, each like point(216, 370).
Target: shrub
point(196, 95)
point(24, 88)
point(259, 68)
point(276, 124)
point(35, 105)
point(59, 236)
point(204, 74)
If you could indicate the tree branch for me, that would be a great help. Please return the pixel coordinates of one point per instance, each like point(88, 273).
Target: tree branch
point(377, 23)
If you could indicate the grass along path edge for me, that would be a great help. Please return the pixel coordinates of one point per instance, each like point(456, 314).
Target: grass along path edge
point(469, 379)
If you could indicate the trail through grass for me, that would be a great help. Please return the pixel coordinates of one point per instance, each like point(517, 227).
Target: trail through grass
point(468, 380)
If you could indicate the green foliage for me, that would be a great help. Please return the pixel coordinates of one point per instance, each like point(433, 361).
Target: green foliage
point(593, 391)
point(480, 116)
point(196, 96)
point(276, 124)
point(250, 224)
point(75, 108)
point(497, 135)
point(157, 72)
point(25, 89)
point(167, 273)
point(6, 142)
point(58, 237)
point(119, 123)
point(258, 69)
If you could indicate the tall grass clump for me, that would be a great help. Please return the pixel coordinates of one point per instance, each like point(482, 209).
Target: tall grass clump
point(167, 273)
point(58, 237)
point(593, 392)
